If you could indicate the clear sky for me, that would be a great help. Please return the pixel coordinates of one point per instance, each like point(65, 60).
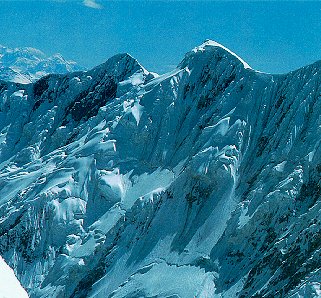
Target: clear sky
point(272, 37)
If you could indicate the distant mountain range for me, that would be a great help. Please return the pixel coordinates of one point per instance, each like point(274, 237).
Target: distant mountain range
point(202, 182)
point(26, 65)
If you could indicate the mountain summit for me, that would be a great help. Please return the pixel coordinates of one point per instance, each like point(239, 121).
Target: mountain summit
point(202, 182)
point(213, 46)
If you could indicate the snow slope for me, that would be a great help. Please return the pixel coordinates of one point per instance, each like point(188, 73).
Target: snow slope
point(9, 285)
point(26, 65)
point(203, 182)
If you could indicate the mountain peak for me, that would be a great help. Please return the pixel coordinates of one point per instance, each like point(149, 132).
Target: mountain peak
point(122, 65)
point(213, 45)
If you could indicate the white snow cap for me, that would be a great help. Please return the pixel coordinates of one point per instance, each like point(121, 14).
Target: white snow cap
point(212, 43)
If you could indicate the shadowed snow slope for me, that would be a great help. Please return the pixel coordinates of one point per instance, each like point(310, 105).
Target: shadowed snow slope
point(203, 182)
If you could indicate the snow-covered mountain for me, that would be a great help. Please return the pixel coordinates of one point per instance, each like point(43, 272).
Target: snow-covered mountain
point(26, 65)
point(203, 182)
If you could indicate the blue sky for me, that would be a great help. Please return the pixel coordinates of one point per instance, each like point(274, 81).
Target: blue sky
point(271, 36)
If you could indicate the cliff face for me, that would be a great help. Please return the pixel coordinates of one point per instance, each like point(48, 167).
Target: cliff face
point(203, 182)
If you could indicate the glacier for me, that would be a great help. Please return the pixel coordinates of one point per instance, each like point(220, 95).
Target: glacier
point(202, 182)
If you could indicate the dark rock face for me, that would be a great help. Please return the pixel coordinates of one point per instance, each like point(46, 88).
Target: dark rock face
point(87, 104)
point(204, 182)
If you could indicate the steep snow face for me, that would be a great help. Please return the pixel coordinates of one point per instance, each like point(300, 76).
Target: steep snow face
point(26, 65)
point(9, 285)
point(203, 182)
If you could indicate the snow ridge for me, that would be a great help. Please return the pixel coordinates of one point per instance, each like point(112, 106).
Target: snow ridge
point(211, 43)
